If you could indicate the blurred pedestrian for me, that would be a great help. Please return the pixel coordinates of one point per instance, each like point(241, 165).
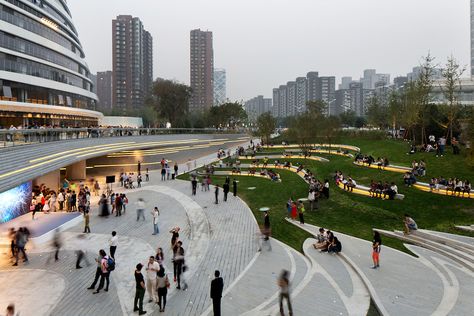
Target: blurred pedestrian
point(139, 290)
point(103, 206)
point(179, 260)
point(12, 236)
point(20, 242)
point(57, 243)
point(86, 222)
point(234, 187)
point(284, 284)
point(217, 285)
point(225, 188)
point(11, 310)
point(140, 209)
point(194, 184)
point(147, 175)
point(97, 271)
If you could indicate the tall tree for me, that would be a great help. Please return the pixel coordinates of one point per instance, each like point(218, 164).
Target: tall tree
point(316, 108)
point(424, 86)
point(229, 114)
point(171, 101)
point(376, 113)
point(266, 125)
point(451, 87)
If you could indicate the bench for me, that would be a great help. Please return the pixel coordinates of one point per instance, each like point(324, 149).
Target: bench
point(364, 190)
point(442, 190)
point(375, 165)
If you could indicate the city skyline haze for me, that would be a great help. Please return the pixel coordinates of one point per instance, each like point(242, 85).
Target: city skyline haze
point(263, 44)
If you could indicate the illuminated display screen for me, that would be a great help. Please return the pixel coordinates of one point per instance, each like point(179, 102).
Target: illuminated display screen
point(15, 202)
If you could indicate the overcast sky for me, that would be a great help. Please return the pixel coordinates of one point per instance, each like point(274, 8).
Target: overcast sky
point(265, 43)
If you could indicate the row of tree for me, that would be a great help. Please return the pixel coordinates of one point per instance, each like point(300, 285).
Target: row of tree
point(169, 103)
point(414, 109)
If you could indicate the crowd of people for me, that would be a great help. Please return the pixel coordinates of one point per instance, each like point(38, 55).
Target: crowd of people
point(348, 183)
point(454, 185)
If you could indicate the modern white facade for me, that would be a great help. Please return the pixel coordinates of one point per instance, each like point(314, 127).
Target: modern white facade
point(42, 66)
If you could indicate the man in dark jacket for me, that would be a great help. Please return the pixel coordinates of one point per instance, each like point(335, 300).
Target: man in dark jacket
point(217, 285)
point(234, 186)
point(226, 189)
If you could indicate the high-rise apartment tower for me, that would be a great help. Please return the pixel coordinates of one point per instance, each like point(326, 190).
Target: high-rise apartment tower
point(132, 58)
point(202, 71)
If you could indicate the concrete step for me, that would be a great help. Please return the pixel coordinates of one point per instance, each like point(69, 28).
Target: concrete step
point(451, 242)
point(466, 228)
point(451, 253)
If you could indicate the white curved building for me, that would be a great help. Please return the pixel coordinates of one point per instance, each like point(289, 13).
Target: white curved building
point(43, 74)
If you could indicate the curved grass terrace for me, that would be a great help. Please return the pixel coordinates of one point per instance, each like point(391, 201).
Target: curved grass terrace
point(354, 214)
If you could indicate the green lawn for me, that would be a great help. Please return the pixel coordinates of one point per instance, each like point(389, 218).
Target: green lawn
point(354, 214)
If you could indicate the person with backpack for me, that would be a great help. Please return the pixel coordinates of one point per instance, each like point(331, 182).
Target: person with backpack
point(107, 265)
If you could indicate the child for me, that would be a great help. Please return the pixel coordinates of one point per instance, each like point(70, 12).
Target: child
point(86, 222)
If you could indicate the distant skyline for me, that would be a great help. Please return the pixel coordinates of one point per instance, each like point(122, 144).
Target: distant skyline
point(263, 44)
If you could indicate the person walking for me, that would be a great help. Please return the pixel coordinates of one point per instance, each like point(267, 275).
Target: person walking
point(103, 206)
point(105, 267)
point(57, 243)
point(163, 283)
point(179, 259)
point(266, 232)
point(140, 209)
point(139, 181)
point(20, 242)
point(194, 184)
point(216, 192)
point(152, 269)
point(139, 290)
point(96, 188)
point(376, 247)
point(113, 242)
point(226, 188)
point(234, 187)
point(147, 175)
point(86, 222)
point(118, 205)
point(139, 167)
point(284, 284)
point(217, 285)
point(163, 174)
point(155, 213)
point(98, 271)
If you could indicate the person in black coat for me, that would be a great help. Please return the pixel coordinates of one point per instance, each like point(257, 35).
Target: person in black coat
point(217, 285)
point(234, 187)
point(226, 189)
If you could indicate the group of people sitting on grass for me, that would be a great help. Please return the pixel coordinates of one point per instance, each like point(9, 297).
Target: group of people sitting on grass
point(455, 185)
point(208, 169)
point(409, 179)
point(348, 183)
point(418, 168)
point(377, 189)
point(327, 242)
point(369, 160)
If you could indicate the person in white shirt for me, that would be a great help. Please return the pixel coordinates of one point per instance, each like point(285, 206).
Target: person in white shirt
point(113, 242)
point(152, 269)
point(155, 213)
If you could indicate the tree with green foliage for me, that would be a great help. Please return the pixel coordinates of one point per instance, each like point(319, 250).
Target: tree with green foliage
point(171, 101)
point(348, 118)
point(395, 109)
point(424, 86)
point(266, 125)
point(451, 87)
point(229, 114)
point(376, 113)
point(316, 108)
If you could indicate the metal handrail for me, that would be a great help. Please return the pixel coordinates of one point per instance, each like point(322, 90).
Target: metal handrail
point(9, 138)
